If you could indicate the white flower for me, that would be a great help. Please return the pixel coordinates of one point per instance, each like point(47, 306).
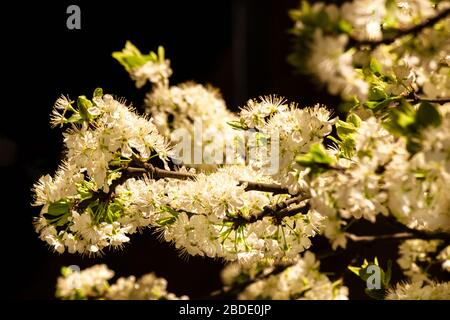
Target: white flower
point(89, 283)
point(419, 291)
point(331, 64)
point(155, 72)
point(299, 280)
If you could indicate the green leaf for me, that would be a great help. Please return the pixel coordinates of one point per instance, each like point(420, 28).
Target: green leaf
point(75, 118)
point(161, 54)
point(388, 274)
point(317, 158)
point(170, 210)
point(427, 115)
point(84, 104)
point(377, 93)
point(58, 208)
point(345, 26)
point(344, 130)
point(348, 147)
point(354, 119)
point(375, 66)
point(238, 125)
point(131, 57)
point(98, 93)
point(65, 271)
point(114, 211)
point(166, 221)
point(355, 270)
point(401, 119)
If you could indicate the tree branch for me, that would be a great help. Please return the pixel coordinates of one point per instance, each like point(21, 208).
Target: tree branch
point(158, 173)
point(413, 30)
point(417, 234)
point(414, 98)
point(393, 236)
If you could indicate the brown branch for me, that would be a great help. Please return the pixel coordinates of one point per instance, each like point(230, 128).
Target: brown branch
point(417, 234)
point(158, 173)
point(393, 236)
point(277, 215)
point(413, 30)
point(415, 98)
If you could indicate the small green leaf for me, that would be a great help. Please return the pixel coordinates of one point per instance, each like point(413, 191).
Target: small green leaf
point(427, 115)
point(317, 159)
point(345, 26)
point(170, 210)
point(388, 274)
point(344, 130)
point(131, 57)
point(377, 93)
point(58, 208)
point(166, 221)
point(354, 119)
point(375, 66)
point(84, 104)
point(75, 118)
point(98, 93)
point(65, 271)
point(355, 270)
point(161, 54)
point(238, 125)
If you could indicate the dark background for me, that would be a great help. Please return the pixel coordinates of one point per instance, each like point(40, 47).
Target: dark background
point(237, 46)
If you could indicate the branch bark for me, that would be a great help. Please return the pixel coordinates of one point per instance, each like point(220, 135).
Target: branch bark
point(158, 173)
point(393, 236)
point(401, 32)
point(415, 98)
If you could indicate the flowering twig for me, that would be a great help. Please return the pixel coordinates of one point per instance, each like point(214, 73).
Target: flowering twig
point(277, 215)
point(401, 32)
point(159, 173)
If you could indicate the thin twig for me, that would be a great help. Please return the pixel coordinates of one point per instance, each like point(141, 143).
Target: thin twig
point(413, 30)
point(417, 234)
point(393, 236)
point(414, 98)
point(158, 173)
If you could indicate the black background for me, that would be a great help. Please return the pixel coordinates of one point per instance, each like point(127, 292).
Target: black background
point(237, 46)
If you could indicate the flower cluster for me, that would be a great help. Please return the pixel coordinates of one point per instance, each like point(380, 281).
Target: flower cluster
point(281, 132)
point(92, 283)
point(299, 172)
point(420, 291)
point(190, 115)
point(345, 47)
point(415, 258)
point(152, 67)
point(194, 117)
point(417, 184)
point(80, 212)
point(356, 189)
point(215, 216)
point(299, 280)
